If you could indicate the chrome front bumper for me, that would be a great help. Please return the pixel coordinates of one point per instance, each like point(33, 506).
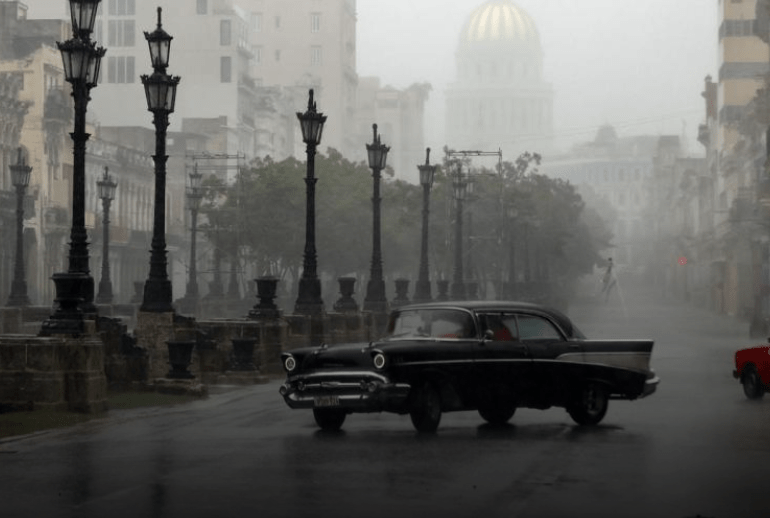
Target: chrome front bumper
point(357, 393)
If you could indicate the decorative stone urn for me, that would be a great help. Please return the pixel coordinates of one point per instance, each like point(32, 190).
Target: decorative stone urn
point(180, 357)
point(346, 302)
point(267, 288)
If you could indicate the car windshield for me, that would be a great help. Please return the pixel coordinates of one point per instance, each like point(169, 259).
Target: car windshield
point(431, 323)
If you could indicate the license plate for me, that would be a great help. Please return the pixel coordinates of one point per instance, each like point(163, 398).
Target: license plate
point(325, 401)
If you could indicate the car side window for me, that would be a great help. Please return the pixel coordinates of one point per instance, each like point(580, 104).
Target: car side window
point(502, 326)
point(452, 325)
point(537, 328)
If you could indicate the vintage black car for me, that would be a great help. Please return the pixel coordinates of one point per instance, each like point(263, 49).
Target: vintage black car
point(492, 357)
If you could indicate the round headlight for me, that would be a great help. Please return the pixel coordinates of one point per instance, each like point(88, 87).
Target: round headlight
point(289, 363)
point(379, 361)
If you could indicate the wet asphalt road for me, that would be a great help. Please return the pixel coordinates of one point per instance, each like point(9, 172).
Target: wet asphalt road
point(696, 447)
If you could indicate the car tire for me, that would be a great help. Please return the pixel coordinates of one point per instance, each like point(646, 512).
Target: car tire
point(752, 385)
point(329, 419)
point(497, 409)
point(425, 408)
point(590, 405)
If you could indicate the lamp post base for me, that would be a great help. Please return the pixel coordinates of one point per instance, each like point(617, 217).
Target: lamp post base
point(375, 300)
point(105, 293)
point(422, 292)
point(157, 296)
point(309, 301)
point(69, 315)
point(18, 296)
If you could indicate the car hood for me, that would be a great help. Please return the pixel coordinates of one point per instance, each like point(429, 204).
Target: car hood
point(338, 355)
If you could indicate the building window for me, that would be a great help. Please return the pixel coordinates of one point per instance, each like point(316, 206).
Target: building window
point(120, 69)
point(121, 33)
point(203, 7)
point(316, 55)
point(277, 22)
point(226, 69)
point(315, 22)
point(256, 22)
point(258, 55)
point(122, 7)
point(278, 55)
point(225, 33)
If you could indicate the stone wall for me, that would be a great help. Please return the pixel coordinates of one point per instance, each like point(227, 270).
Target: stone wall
point(66, 373)
point(56, 373)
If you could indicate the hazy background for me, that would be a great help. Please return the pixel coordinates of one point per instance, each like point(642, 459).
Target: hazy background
point(636, 64)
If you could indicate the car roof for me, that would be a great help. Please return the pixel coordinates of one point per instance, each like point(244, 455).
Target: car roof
point(560, 318)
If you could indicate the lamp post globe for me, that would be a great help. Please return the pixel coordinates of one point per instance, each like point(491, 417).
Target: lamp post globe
point(309, 301)
point(460, 191)
point(106, 186)
point(422, 292)
point(20, 174)
point(375, 300)
point(160, 90)
point(81, 60)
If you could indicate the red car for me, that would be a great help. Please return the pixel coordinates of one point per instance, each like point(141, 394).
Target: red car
point(752, 367)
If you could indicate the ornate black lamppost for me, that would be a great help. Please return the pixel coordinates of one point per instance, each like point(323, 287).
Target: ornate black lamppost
point(194, 196)
point(160, 89)
point(106, 186)
point(20, 174)
point(460, 189)
point(309, 300)
point(422, 288)
point(375, 300)
point(82, 62)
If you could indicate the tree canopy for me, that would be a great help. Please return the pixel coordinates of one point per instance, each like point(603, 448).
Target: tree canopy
point(514, 214)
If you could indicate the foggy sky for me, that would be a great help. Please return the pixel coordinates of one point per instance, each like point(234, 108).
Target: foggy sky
point(638, 65)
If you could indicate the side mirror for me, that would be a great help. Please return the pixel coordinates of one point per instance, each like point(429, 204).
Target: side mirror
point(489, 335)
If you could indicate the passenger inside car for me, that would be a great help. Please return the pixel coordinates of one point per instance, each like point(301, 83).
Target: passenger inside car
point(500, 331)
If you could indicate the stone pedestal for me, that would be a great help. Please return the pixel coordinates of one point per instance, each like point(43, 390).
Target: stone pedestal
point(152, 331)
point(54, 373)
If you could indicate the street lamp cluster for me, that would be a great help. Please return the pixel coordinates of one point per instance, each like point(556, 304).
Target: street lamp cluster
point(75, 288)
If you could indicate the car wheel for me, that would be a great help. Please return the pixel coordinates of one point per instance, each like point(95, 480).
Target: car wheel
point(590, 406)
point(752, 385)
point(329, 418)
point(497, 409)
point(425, 408)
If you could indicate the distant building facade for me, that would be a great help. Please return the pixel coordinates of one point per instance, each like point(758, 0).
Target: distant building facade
point(399, 118)
point(617, 173)
point(499, 99)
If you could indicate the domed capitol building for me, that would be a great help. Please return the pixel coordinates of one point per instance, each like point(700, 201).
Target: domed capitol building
point(499, 99)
